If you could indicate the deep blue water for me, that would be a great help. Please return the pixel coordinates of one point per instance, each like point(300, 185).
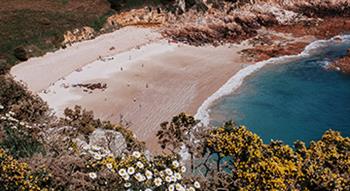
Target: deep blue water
point(299, 100)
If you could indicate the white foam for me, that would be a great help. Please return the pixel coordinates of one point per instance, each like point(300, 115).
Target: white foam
point(236, 81)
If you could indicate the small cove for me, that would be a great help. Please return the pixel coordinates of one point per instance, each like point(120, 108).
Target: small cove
point(298, 100)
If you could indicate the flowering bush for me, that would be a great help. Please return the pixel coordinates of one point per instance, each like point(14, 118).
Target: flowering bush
point(86, 123)
point(137, 172)
point(15, 175)
point(257, 166)
point(26, 105)
point(18, 136)
point(243, 161)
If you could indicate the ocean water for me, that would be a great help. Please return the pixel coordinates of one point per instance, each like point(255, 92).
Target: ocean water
point(297, 100)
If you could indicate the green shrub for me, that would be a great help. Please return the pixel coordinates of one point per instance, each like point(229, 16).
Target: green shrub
point(16, 98)
point(15, 175)
point(20, 144)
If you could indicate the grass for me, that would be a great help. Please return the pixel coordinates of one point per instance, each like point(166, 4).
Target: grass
point(19, 144)
point(64, 2)
point(130, 4)
point(42, 28)
point(98, 23)
point(42, 23)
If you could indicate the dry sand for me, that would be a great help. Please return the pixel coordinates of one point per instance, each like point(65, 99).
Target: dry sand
point(41, 72)
point(146, 85)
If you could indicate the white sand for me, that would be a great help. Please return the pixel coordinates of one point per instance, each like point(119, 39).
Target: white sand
point(41, 72)
point(59, 94)
point(158, 81)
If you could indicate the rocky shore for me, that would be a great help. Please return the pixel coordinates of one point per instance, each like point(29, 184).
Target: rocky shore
point(174, 66)
point(342, 64)
point(305, 21)
point(220, 22)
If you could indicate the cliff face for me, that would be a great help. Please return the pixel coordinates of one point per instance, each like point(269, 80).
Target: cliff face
point(315, 7)
point(232, 21)
point(228, 23)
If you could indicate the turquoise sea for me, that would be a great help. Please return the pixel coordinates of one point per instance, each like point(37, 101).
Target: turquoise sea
point(298, 100)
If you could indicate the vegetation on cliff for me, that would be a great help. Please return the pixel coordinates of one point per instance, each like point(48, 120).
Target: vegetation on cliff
point(31, 28)
point(229, 157)
point(39, 151)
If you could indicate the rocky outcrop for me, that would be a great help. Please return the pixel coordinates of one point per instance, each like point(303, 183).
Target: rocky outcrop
point(237, 21)
point(108, 139)
point(101, 142)
point(321, 7)
point(320, 28)
point(144, 16)
point(77, 35)
point(342, 65)
point(315, 7)
point(265, 52)
point(226, 25)
point(283, 16)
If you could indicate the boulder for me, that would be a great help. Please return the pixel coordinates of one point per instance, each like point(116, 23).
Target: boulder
point(100, 143)
point(109, 140)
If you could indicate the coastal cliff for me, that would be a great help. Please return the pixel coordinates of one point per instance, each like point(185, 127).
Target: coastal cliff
point(195, 22)
point(97, 113)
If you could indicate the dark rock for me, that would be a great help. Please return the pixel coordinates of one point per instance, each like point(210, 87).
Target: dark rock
point(23, 53)
point(342, 65)
point(91, 86)
point(4, 66)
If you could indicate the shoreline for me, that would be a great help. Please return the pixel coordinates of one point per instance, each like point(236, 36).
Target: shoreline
point(60, 94)
point(236, 81)
point(78, 55)
point(146, 85)
point(150, 90)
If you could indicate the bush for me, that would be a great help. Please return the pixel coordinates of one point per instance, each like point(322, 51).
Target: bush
point(252, 165)
point(16, 98)
point(15, 175)
point(81, 119)
point(18, 138)
point(137, 172)
point(20, 144)
point(85, 122)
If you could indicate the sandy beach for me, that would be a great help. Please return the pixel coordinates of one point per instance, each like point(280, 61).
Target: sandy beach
point(148, 80)
point(41, 72)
